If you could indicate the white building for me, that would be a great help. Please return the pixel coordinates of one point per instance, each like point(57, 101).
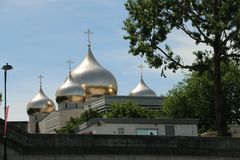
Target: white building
point(140, 126)
point(234, 130)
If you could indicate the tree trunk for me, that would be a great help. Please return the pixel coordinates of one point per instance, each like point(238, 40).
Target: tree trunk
point(218, 96)
point(218, 93)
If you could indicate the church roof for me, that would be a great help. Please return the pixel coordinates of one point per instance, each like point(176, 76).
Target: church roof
point(142, 90)
point(95, 79)
point(40, 104)
point(70, 91)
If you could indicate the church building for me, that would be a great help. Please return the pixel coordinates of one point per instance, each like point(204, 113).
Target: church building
point(89, 85)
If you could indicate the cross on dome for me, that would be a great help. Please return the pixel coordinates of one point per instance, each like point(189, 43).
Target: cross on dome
point(70, 62)
point(89, 37)
point(40, 78)
point(141, 70)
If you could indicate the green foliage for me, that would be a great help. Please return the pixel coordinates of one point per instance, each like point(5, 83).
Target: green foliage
point(131, 110)
point(213, 23)
point(231, 89)
point(73, 122)
point(192, 98)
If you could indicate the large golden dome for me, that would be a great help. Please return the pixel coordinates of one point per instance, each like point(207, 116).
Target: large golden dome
point(94, 79)
point(70, 91)
point(142, 90)
point(40, 104)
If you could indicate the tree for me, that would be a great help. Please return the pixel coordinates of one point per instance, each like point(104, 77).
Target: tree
point(73, 122)
point(231, 90)
point(214, 23)
point(131, 110)
point(192, 98)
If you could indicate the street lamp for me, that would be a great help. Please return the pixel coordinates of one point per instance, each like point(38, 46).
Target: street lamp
point(0, 98)
point(6, 67)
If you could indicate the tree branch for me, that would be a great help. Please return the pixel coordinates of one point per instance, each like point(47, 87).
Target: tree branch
point(233, 55)
point(191, 67)
point(189, 33)
point(230, 35)
point(199, 30)
point(225, 34)
point(207, 40)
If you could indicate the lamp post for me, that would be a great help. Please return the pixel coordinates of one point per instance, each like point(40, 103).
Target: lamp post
point(6, 67)
point(0, 98)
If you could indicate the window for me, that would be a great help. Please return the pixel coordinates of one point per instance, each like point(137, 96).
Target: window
point(169, 131)
point(66, 106)
point(146, 131)
point(120, 130)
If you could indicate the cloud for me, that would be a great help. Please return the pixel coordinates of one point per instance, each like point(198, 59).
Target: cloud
point(185, 46)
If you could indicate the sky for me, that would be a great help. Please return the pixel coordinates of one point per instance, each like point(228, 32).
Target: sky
point(39, 36)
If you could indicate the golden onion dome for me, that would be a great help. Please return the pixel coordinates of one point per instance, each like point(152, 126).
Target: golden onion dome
point(70, 91)
point(142, 90)
point(94, 79)
point(40, 104)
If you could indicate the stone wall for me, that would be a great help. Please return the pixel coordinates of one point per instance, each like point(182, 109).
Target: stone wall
point(24, 146)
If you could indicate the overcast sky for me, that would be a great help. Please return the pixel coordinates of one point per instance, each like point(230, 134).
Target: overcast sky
point(39, 36)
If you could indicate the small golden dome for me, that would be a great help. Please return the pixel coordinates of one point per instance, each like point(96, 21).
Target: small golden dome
point(142, 90)
point(94, 79)
point(40, 104)
point(70, 91)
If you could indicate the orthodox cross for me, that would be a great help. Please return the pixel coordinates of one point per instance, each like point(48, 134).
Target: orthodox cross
point(70, 62)
point(141, 70)
point(89, 37)
point(40, 78)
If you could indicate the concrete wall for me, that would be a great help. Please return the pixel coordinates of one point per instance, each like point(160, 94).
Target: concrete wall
point(234, 130)
point(56, 120)
point(130, 129)
point(24, 146)
point(33, 122)
point(13, 155)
